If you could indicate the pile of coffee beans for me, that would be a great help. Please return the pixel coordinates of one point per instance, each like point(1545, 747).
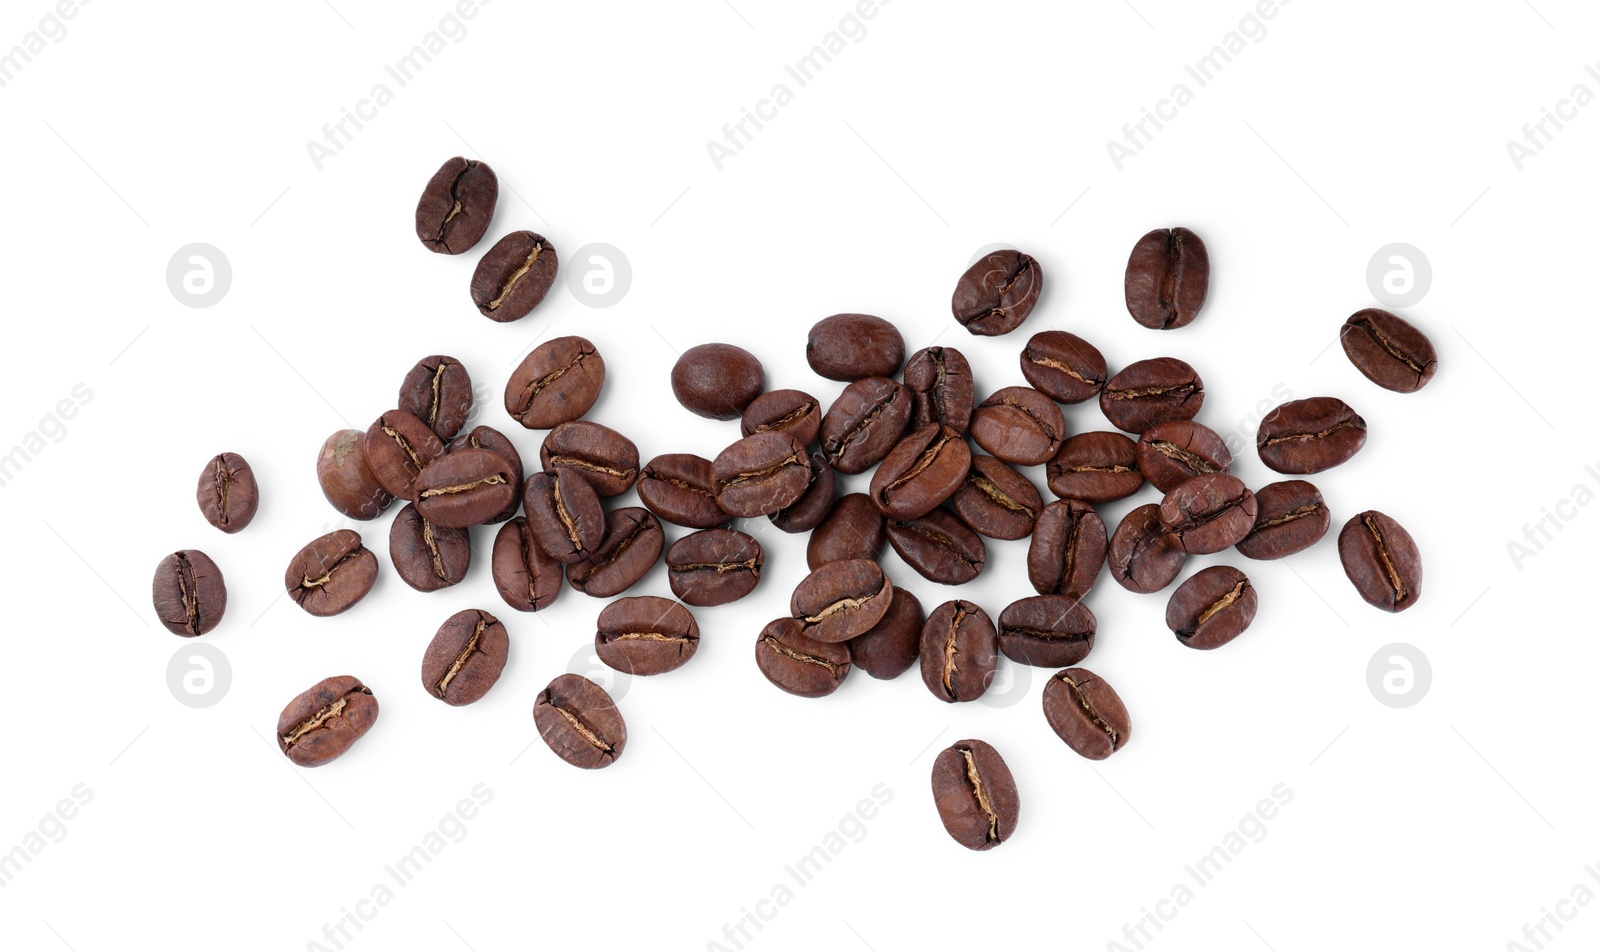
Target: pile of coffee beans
point(945, 483)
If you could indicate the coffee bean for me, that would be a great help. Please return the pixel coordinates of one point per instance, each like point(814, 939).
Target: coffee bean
point(1388, 350)
point(1064, 367)
point(227, 492)
point(491, 439)
point(921, 472)
point(580, 722)
point(466, 488)
point(996, 500)
point(800, 665)
point(514, 276)
point(331, 573)
point(1142, 556)
point(323, 722)
point(958, 652)
point(456, 206)
point(792, 411)
point(975, 795)
point(1209, 513)
point(864, 424)
point(1179, 450)
point(717, 381)
point(1290, 517)
point(427, 557)
point(556, 383)
point(1212, 608)
point(465, 658)
point(940, 381)
point(1051, 631)
point(188, 593)
point(645, 635)
point(347, 482)
point(526, 577)
point(1381, 560)
point(1152, 391)
point(1085, 712)
point(813, 506)
point(841, 600)
point(631, 548)
point(438, 391)
point(1308, 436)
point(1096, 467)
point(853, 530)
point(564, 515)
point(682, 489)
point(714, 566)
point(603, 456)
point(1068, 549)
point(891, 646)
point(761, 474)
point(1168, 273)
point(853, 346)
point(1019, 425)
point(939, 546)
point(397, 446)
point(997, 293)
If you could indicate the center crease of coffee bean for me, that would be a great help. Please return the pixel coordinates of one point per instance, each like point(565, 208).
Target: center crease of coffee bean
point(1054, 364)
point(190, 592)
point(1307, 437)
point(800, 656)
point(928, 457)
point(224, 481)
point(790, 460)
point(404, 445)
point(843, 605)
point(1193, 461)
point(937, 538)
point(1172, 279)
point(326, 576)
point(1197, 519)
point(511, 282)
point(461, 659)
point(1383, 554)
point(1221, 603)
point(1149, 392)
point(317, 720)
point(999, 496)
point(856, 431)
point(579, 462)
point(748, 565)
point(1083, 702)
point(1382, 341)
point(536, 387)
point(644, 636)
point(578, 725)
point(981, 794)
point(495, 480)
point(438, 372)
point(787, 420)
point(1291, 516)
point(1049, 430)
point(602, 559)
point(950, 656)
point(434, 554)
point(1045, 634)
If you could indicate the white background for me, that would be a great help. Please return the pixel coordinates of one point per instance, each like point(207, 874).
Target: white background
point(948, 127)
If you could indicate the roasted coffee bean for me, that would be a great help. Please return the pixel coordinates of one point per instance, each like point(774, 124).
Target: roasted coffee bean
point(853, 530)
point(188, 593)
point(556, 383)
point(1290, 517)
point(1068, 549)
point(761, 474)
point(939, 546)
point(958, 652)
point(1170, 453)
point(853, 346)
point(322, 723)
point(813, 506)
point(603, 456)
point(491, 439)
point(1168, 274)
point(1389, 350)
point(940, 381)
point(227, 492)
point(1381, 560)
point(922, 471)
point(580, 722)
point(717, 381)
point(1209, 513)
point(996, 500)
point(1085, 712)
point(1064, 367)
point(514, 276)
point(631, 548)
point(1308, 436)
point(397, 447)
point(793, 411)
point(1051, 631)
point(347, 482)
point(1142, 556)
point(456, 206)
point(331, 573)
point(800, 665)
point(841, 600)
point(891, 646)
point(438, 391)
point(465, 658)
point(997, 293)
point(525, 575)
point(864, 424)
point(466, 488)
point(682, 489)
point(1212, 608)
point(1019, 425)
point(645, 635)
point(1096, 467)
point(1152, 391)
point(427, 557)
point(714, 566)
point(975, 795)
point(564, 515)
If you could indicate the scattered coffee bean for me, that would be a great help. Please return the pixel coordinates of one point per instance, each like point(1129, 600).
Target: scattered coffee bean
point(1019, 425)
point(322, 723)
point(438, 391)
point(714, 566)
point(227, 492)
point(427, 557)
point(1308, 436)
point(997, 293)
point(761, 474)
point(188, 593)
point(331, 573)
point(397, 446)
point(975, 795)
point(1168, 274)
point(813, 506)
point(580, 722)
point(893, 645)
point(1050, 631)
point(939, 546)
point(564, 515)
point(940, 381)
point(1142, 556)
point(526, 577)
point(853, 530)
point(1064, 367)
point(800, 665)
point(465, 658)
point(1381, 560)
point(347, 482)
point(556, 383)
point(1212, 608)
point(921, 472)
point(1085, 712)
point(1389, 350)
point(456, 206)
point(959, 651)
point(792, 411)
point(854, 346)
point(864, 424)
point(631, 548)
point(1152, 391)
point(1068, 549)
point(603, 456)
point(1096, 467)
point(644, 635)
point(717, 381)
point(1209, 513)
point(1290, 517)
point(682, 489)
point(466, 488)
point(841, 600)
point(491, 439)
point(1179, 450)
point(996, 500)
point(514, 276)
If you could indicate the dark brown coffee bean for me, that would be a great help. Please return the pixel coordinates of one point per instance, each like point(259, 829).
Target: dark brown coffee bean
point(1068, 549)
point(793, 411)
point(465, 658)
point(1019, 425)
point(714, 566)
point(841, 600)
point(347, 482)
point(921, 472)
point(975, 795)
point(491, 439)
point(188, 593)
point(322, 723)
point(1381, 560)
point(646, 635)
point(564, 515)
point(996, 500)
point(603, 456)
point(227, 492)
point(438, 391)
point(1389, 350)
point(631, 549)
point(514, 276)
point(1168, 274)
point(853, 530)
point(1308, 436)
point(1142, 556)
point(939, 546)
point(717, 381)
point(864, 424)
point(526, 577)
point(466, 488)
point(893, 645)
point(813, 506)
point(1209, 513)
point(940, 381)
point(397, 447)
point(580, 722)
point(427, 557)
point(800, 665)
point(1152, 391)
point(1086, 713)
point(853, 346)
point(1212, 608)
point(1096, 467)
point(1064, 367)
point(959, 651)
point(997, 293)
point(761, 474)
point(682, 489)
point(1290, 517)
point(556, 383)
point(1051, 631)
point(456, 206)
point(1170, 453)
point(331, 573)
